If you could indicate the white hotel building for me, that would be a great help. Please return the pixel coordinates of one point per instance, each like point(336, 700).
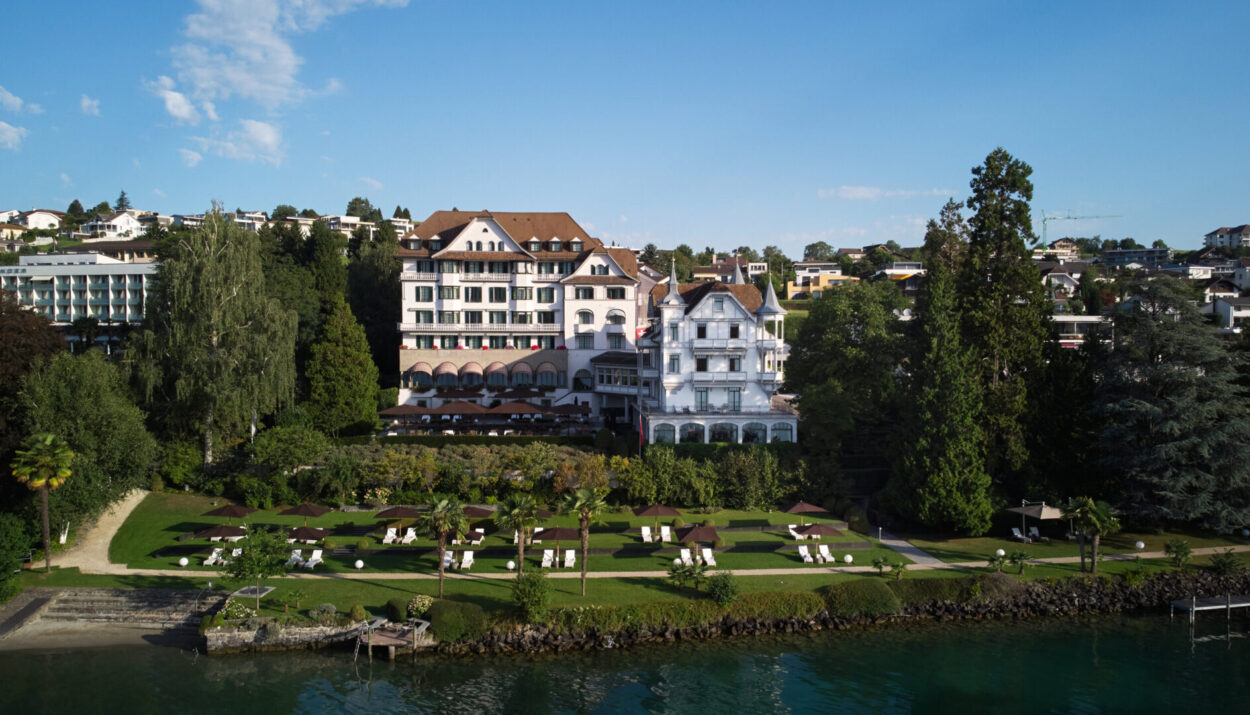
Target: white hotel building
point(65, 287)
point(500, 307)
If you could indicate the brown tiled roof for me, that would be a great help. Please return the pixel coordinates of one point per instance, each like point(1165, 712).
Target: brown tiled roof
point(482, 256)
point(626, 259)
point(521, 226)
point(599, 280)
point(12, 226)
point(748, 295)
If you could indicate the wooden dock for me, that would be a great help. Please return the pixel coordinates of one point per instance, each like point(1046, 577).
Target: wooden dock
point(1194, 604)
point(393, 637)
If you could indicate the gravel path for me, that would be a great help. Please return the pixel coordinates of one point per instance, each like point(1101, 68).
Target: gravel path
point(91, 552)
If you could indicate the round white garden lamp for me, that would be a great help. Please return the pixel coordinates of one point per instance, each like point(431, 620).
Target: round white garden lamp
point(183, 561)
point(677, 562)
point(1000, 553)
point(512, 566)
point(1140, 545)
point(359, 564)
point(848, 559)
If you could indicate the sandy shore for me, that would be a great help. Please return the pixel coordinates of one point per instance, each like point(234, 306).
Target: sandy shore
point(57, 635)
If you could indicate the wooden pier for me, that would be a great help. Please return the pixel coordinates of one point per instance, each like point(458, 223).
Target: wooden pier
point(1194, 604)
point(393, 637)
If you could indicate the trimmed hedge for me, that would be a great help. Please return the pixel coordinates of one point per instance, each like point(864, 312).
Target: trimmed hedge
point(919, 591)
point(649, 616)
point(397, 610)
point(776, 604)
point(452, 621)
point(863, 597)
point(444, 440)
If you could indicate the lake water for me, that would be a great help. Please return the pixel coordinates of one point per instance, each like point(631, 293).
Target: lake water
point(1108, 664)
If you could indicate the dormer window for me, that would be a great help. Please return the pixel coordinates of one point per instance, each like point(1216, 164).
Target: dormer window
point(555, 244)
point(575, 246)
point(436, 245)
point(534, 245)
point(599, 270)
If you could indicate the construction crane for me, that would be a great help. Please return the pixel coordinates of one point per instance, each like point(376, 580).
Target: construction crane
point(1046, 219)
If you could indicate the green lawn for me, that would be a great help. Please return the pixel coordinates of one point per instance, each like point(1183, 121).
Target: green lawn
point(959, 549)
point(155, 525)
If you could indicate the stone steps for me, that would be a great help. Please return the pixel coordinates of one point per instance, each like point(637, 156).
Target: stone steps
point(175, 610)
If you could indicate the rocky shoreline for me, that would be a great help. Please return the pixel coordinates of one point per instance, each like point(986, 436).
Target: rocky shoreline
point(1036, 599)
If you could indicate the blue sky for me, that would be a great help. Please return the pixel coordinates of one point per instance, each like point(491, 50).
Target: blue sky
point(715, 124)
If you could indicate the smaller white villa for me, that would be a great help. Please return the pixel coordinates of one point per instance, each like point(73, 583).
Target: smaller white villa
point(717, 354)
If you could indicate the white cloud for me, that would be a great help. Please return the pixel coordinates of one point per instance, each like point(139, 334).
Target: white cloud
point(176, 103)
point(210, 110)
point(253, 141)
point(242, 47)
point(14, 103)
point(159, 193)
point(89, 106)
point(371, 183)
point(11, 136)
point(189, 157)
point(66, 180)
point(872, 193)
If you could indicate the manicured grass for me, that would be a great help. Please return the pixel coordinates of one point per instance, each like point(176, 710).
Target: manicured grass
point(959, 549)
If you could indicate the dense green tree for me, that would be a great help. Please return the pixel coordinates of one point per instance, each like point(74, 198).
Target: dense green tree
point(215, 352)
point(586, 503)
point(778, 264)
point(122, 203)
point(103, 207)
point(1089, 291)
point(26, 338)
point(518, 513)
point(748, 253)
point(342, 379)
point(309, 213)
point(361, 208)
point(323, 256)
point(84, 400)
point(45, 464)
point(1177, 424)
point(939, 478)
point(15, 541)
point(651, 257)
point(286, 449)
point(445, 520)
point(373, 292)
point(819, 251)
point(262, 555)
point(282, 212)
point(1002, 301)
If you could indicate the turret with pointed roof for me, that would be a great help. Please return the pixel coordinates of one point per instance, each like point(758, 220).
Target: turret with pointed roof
point(674, 289)
point(770, 306)
point(736, 278)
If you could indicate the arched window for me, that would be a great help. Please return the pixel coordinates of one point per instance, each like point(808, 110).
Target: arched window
point(496, 376)
point(583, 381)
point(471, 380)
point(723, 432)
point(665, 434)
point(546, 379)
point(447, 379)
point(479, 245)
point(783, 433)
point(616, 317)
point(754, 433)
point(691, 432)
point(522, 379)
point(585, 317)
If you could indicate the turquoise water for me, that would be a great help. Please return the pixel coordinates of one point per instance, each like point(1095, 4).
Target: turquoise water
point(1108, 664)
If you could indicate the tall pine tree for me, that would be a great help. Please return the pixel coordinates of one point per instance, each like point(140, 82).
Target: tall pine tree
point(215, 352)
point(1002, 302)
point(342, 379)
point(940, 478)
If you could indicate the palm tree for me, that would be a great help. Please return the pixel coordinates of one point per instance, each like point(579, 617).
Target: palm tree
point(587, 504)
point(1092, 519)
point(44, 465)
point(518, 513)
point(445, 518)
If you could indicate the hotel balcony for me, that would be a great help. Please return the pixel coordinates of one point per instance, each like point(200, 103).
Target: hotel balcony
point(728, 345)
point(497, 277)
point(416, 276)
point(452, 328)
point(719, 377)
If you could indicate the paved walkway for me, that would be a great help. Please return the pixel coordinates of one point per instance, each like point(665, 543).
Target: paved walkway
point(90, 553)
point(906, 548)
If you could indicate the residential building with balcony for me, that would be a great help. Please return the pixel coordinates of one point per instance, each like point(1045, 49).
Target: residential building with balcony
point(1228, 237)
point(38, 219)
point(722, 270)
point(347, 224)
point(812, 278)
point(711, 364)
point(65, 287)
point(515, 306)
point(116, 226)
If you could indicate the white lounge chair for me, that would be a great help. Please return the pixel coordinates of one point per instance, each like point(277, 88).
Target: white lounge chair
point(824, 554)
point(391, 537)
point(685, 558)
point(236, 553)
point(214, 538)
point(476, 536)
point(708, 558)
point(1017, 535)
point(795, 533)
point(291, 541)
point(538, 530)
point(646, 534)
point(549, 556)
point(314, 560)
point(214, 558)
point(570, 558)
point(466, 561)
point(807, 558)
point(410, 535)
point(233, 539)
point(297, 559)
point(665, 534)
point(449, 559)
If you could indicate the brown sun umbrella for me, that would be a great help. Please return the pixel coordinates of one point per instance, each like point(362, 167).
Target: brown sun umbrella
point(699, 535)
point(656, 511)
point(398, 512)
point(221, 532)
point(477, 512)
point(231, 511)
point(307, 533)
point(545, 513)
point(803, 507)
point(305, 510)
point(558, 534)
point(818, 530)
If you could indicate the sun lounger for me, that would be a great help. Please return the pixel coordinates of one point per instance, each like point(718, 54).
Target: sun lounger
point(794, 533)
point(665, 534)
point(549, 556)
point(570, 558)
point(1035, 535)
point(646, 534)
point(476, 536)
point(214, 538)
point(466, 561)
point(708, 558)
point(824, 554)
point(685, 558)
point(537, 532)
point(313, 560)
point(233, 539)
point(291, 541)
point(236, 553)
point(410, 535)
point(1017, 535)
point(392, 535)
point(297, 559)
point(807, 558)
point(214, 558)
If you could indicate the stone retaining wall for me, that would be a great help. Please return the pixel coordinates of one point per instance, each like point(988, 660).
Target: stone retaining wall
point(271, 637)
